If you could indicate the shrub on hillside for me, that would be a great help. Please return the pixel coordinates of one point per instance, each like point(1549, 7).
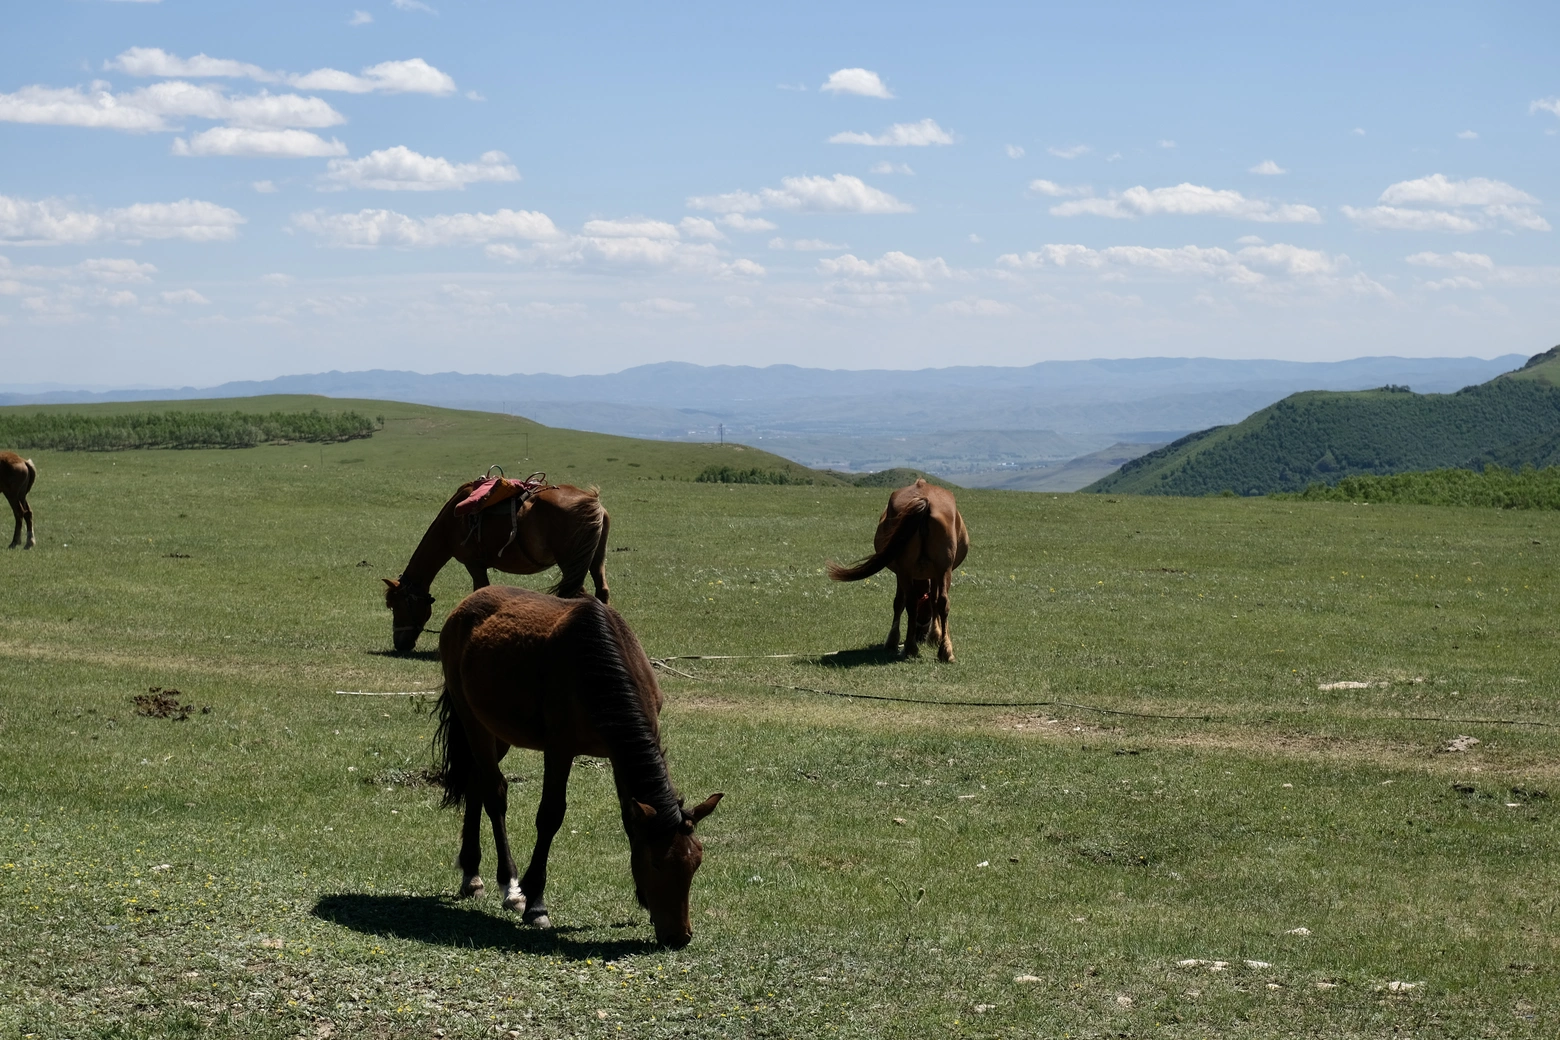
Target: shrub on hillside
point(71, 431)
point(1494, 487)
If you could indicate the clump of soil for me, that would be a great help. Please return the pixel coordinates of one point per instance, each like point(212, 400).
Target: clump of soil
point(158, 703)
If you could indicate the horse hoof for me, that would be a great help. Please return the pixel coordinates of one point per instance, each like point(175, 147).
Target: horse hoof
point(945, 655)
point(470, 888)
point(514, 899)
point(540, 921)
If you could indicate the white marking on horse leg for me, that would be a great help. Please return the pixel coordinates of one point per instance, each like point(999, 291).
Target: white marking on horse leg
point(514, 899)
point(471, 887)
point(541, 921)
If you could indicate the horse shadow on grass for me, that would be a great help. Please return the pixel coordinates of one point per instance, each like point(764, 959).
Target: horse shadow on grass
point(440, 921)
point(408, 655)
point(866, 656)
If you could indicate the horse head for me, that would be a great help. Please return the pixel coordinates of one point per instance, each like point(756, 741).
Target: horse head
point(663, 860)
point(410, 609)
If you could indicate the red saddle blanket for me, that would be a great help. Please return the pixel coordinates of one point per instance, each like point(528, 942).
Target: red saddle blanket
point(485, 494)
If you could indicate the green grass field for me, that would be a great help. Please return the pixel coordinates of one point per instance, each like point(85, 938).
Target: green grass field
point(273, 867)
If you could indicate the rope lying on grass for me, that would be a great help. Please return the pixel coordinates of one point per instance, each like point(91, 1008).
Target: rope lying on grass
point(660, 662)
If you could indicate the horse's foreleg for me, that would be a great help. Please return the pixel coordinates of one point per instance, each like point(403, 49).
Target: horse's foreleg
point(598, 562)
point(16, 508)
point(892, 642)
point(549, 817)
point(479, 576)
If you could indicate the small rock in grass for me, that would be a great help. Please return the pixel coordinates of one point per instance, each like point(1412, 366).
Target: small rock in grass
point(1274, 985)
point(1026, 979)
point(1460, 743)
point(1326, 985)
point(1403, 987)
point(1124, 1000)
point(1258, 965)
point(981, 1009)
point(984, 863)
point(899, 820)
point(1302, 930)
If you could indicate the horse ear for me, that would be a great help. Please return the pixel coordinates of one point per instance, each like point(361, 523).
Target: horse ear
point(640, 811)
point(705, 807)
point(391, 582)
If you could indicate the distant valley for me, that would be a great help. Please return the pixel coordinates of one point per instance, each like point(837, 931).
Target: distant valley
point(1056, 425)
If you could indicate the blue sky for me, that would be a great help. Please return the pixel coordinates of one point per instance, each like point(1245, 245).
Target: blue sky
point(196, 192)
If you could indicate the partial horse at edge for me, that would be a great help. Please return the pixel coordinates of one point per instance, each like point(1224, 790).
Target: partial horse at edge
point(16, 479)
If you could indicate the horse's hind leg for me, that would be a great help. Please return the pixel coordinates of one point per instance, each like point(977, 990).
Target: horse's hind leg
point(489, 780)
point(549, 817)
point(940, 613)
point(479, 576)
point(470, 859)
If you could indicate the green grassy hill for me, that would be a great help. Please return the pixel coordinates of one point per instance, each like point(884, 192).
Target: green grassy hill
point(1325, 436)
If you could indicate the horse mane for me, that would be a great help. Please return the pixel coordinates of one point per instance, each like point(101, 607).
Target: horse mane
point(612, 693)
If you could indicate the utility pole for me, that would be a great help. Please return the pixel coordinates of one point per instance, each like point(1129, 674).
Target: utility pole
point(722, 433)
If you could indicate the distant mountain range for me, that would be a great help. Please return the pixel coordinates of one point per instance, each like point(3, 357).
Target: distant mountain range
point(977, 425)
point(1324, 436)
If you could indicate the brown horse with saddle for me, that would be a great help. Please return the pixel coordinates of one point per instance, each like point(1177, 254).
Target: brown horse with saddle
point(921, 538)
point(565, 677)
point(517, 526)
point(16, 479)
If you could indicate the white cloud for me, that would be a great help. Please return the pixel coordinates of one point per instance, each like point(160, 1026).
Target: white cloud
point(698, 227)
point(885, 167)
point(1468, 135)
point(53, 222)
point(1454, 261)
point(1358, 131)
point(1393, 218)
point(651, 229)
point(1040, 186)
point(110, 270)
point(974, 307)
point(360, 18)
point(412, 5)
point(277, 278)
point(267, 144)
point(807, 245)
point(1475, 204)
point(154, 61)
point(841, 193)
point(1237, 268)
point(660, 307)
point(1545, 105)
point(411, 76)
point(1015, 151)
point(900, 135)
point(1439, 190)
point(1070, 152)
point(107, 269)
point(183, 296)
point(738, 222)
point(1188, 200)
point(1251, 240)
point(1455, 282)
point(401, 169)
point(891, 266)
point(370, 228)
point(151, 108)
point(975, 239)
point(1165, 143)
point(265, 187)
point(1267, 168)
point(856, 81)
point(745, 268)
point(475, 95)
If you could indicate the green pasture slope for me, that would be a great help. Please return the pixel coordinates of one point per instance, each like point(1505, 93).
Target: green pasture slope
point(272, 867)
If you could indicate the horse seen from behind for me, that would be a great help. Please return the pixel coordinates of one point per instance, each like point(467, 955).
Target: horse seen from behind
point(922, 539)
point(532, 526)
point(565, 677)
point(16, 479)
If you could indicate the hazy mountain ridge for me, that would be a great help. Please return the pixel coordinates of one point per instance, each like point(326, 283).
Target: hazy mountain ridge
point(1029, 418)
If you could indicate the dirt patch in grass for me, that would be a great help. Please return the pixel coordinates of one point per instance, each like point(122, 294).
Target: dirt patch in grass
point(158, 703)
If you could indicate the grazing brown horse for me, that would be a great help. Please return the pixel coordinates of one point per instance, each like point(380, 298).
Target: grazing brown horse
point(921, 538)
point(16, 479)
point(560, 525)
point(565, 677)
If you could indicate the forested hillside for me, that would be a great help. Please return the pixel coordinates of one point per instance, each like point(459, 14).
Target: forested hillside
point(1325, 436)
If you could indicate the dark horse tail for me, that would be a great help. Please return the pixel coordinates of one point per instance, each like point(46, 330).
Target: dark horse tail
point(587, 546)
point(451, 748)
point(905, 526)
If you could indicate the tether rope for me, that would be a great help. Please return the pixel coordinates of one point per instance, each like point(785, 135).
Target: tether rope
point(660, 662)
